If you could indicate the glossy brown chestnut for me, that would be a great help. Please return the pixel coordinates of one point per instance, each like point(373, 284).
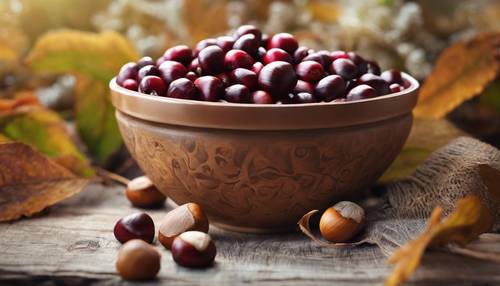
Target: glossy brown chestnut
point(135, 226)
point(143, 194)
point(193, 249)
point(138, 260)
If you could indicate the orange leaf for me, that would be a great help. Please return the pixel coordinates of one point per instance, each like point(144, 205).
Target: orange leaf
point(462, 71)
point(30, 182)
point(465, 223)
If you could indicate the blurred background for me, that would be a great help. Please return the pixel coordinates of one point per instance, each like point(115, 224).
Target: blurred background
point(408, 35)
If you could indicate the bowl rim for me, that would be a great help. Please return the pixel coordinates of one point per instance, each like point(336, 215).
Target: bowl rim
point(227, 115)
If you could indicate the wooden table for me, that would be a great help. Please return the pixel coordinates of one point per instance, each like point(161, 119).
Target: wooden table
point(74, 244)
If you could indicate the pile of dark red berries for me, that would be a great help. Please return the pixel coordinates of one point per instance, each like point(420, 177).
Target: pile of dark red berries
point(251, 67)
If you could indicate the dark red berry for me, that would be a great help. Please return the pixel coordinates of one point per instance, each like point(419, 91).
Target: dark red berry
point(130, 84)
point(195, 66)
point(275, 54)
point(329, 88)
point(345, 68)
point(248, 43)
point(153, 85)
point(285, 99)
point(135, 226)
point(325, 55)
point(300, 54)
point(277, 78)
point(225, 43)
point(245, 77)
point(237, 59)
point(256, 67)
point(375, 81)
point(148, 70)
point(373, 67)
point(210, 88)
point(261, 97)
point(361, 91)
point(265, 40)
point(144, 61)
point(338, 55)
point(180, 53)
point(237, 93)
point(283, 41)
point(182, 88)
point(211, 60)
point(359, 61)
point(191, 76)
point(315, 58)
point(392, 76)
point(406, 84)
point(171, 71)
point(396, 87)
point(225, 78)
point(303, 97)
point(261, 52)
point(303, 86)
point(127, 71)
point(248, 29)
point(203, 44)
point(309, 71)
point(351, 84)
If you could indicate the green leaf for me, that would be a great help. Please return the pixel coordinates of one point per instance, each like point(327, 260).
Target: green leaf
point(94, 59)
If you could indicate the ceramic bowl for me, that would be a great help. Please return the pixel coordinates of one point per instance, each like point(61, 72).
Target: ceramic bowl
point(259, 168)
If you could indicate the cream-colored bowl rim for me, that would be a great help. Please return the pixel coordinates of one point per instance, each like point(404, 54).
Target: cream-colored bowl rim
point(222, 115)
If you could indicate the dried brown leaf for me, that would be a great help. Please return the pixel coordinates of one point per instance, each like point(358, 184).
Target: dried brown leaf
point(491, 179)
point(464, 224)
point(462, 71)
point(30, 182)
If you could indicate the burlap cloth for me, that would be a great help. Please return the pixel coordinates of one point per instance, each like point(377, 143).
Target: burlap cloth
point(446, 176)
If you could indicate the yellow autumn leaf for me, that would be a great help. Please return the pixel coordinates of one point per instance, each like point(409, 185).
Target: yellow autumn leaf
point(469, 219)
point(325, 11)
point(13, 40)
point(94, 58)
point(461, 72)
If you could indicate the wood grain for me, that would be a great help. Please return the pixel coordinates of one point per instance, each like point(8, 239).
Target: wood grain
point(74, 245)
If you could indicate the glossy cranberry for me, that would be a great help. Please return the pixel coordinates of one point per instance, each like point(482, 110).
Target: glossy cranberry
point(256, 67)
point(237, 93)
point(245, 77)
point(359, 61)
point(345, 68)
point(130, 84)
point(309, 71)
point(338, 55)
point(225, 79)
point(329, 88)
point(144, 61)
point(300, 54)
point(315, 58)
point(153, 85)
point(303, 86)
point(396, 87)
point(195, 66)
point(261, 52)
point(248, 43)
point(265, 40)
point(135, 226)
point(248, 29)
point(237, 59)
point(283, 41)
point(351, 84)
point(392, 76)
point(182, 88)
point(361, 91)
point(285, 99)
point(225, 43)
point(274, 54)
point(303, 97)
point(373, 67)
point(180, 53)
point(277, 78)
point(127, 71)
point(210, 88)
point(406, 84)
point(148, 70)
point(191, 76)
point(261, 97)
point(377, 82)
point(171, 71)
point(203, 44)
point(211, 60)
point(325, 55)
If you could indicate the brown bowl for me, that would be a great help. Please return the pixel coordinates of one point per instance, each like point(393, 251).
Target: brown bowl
point(259, 168)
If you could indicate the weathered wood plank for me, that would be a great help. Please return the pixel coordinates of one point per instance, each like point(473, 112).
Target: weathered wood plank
point(75, 245)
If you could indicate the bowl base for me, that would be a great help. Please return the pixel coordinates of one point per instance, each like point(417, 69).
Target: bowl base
point(254, 230)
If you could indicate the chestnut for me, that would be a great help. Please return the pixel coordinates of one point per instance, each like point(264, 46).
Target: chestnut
point(194, 249)
point(143, 194)
point(184, 218)
point(138, 260)
point(342, 222)
point(135, 226)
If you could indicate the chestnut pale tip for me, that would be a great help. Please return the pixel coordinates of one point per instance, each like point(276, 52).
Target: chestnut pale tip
point(350, 210)
point(199, 240)
point(140, 183)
